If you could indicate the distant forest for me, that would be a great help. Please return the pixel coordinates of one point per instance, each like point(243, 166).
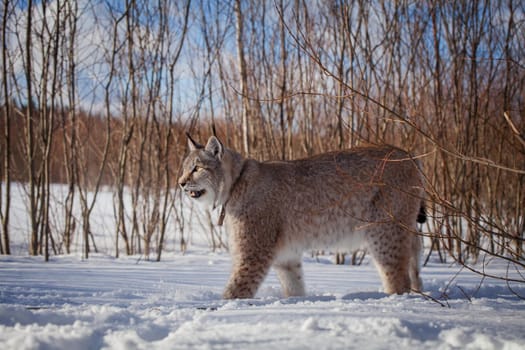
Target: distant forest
point(101, 93)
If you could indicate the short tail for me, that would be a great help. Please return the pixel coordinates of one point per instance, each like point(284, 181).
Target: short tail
point(422, 215)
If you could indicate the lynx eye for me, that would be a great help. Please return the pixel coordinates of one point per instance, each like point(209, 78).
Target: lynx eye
point(197, 168)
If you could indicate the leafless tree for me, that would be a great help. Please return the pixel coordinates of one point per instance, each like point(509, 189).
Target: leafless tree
point(278, 80)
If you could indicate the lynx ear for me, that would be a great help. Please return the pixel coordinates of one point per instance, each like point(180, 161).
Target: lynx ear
point(215, 147)
point(192, 145)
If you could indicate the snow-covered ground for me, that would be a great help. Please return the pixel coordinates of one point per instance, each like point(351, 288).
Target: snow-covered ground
point(128, 303)
point(132, 303)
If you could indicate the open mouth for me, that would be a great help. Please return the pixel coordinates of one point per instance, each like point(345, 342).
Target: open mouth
point(196, 194)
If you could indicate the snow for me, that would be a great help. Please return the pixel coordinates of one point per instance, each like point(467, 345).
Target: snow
point(128, 303)
point(132, 303)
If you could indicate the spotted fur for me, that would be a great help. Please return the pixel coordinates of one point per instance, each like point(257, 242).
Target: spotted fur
point(274, 211)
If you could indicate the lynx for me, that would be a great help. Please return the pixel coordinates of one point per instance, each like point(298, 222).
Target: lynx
point(274, 211)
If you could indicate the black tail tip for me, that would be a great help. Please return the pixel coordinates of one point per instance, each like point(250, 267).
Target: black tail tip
point(422, 215)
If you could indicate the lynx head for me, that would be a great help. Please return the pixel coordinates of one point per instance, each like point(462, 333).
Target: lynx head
point(203, 176)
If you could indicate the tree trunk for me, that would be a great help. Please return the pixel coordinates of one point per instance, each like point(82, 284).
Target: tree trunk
point(245, 111)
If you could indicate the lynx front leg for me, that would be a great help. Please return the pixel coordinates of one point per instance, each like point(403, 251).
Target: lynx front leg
point(291, 277)
point(247, 275)
point(252, 246)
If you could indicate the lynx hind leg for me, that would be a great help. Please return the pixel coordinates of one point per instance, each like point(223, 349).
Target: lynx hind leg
point(416, 285)
point(291, 277)
point(390, 247)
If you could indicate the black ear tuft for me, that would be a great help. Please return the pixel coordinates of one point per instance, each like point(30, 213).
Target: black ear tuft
point(192, 145)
